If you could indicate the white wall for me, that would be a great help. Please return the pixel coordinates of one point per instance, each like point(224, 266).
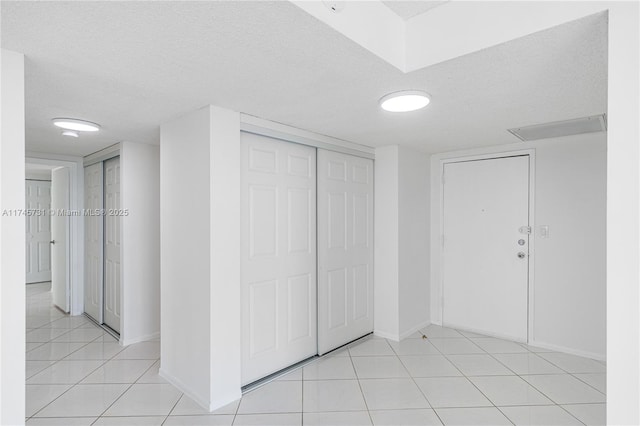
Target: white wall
point(12, 243)
point(140, 194)
point(401, 266)
point(386, 256)
point(200, 255)
point(569, 286)
point(413, 241)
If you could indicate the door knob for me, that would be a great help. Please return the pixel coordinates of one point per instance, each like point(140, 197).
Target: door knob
point(52, 241)
point(521, 255)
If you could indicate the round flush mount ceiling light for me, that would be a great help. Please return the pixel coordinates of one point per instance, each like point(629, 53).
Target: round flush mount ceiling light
point(405, 101)
point(71, 133)
point(76, 125)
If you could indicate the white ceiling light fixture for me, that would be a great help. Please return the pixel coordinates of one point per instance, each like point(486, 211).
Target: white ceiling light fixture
point(76, 124)
point(70, 133)
point(405, 101)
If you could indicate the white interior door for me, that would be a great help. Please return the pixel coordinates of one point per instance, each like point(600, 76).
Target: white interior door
point(93, 237)
point(345, 249)
point(112, 284)
point(485, 264)
point(60, 238)
point(278, 255)
point(38, 227)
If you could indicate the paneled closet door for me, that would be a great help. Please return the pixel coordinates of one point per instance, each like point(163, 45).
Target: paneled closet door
point(278, 255)
point(93, 224)
point(345, 249)
point(112, 284)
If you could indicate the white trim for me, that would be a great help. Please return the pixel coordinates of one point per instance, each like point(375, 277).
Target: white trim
point(75, 248)
point(102, 155)
point(385, 335)
point(193, 395)
point(483, 332)
point(414, 329)
point(531, 153)
point(558, 348)
point(145, 338)
point(259, 126)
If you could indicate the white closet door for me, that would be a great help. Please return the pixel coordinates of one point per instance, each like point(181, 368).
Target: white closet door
point(93, 224)
point(345, 249)
point(278, 255)
point(38, 199)
point(112, 284)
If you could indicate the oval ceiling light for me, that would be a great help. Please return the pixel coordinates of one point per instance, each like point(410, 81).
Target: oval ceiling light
point(71, 133)
point(405, 101)
point(75, 124)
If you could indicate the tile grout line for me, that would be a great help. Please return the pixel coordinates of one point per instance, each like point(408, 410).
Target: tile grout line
point(468, 379)
point(521, 378)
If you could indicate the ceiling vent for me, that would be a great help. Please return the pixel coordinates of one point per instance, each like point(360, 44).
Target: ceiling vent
point(577, 126)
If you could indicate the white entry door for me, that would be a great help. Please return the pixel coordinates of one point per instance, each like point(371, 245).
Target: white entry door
point(93, 225)
point(278, 255)
point(60, 238)
point(38, 227)
point(345, 249)
point(485, 265)
point(112, 282)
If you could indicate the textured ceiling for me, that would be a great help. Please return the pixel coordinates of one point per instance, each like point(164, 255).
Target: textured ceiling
point(409, 9)
point(131, 66)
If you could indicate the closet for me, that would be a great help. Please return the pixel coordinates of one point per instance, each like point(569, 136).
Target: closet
point(103, 242)
point(307, 252)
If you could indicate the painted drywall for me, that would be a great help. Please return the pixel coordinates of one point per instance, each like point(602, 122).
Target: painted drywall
point(623, 215)
point(200, 255)
point(12, 243)
point(185, 270)
point(401, 267)
point(413, 240)
point(140, 196)
point(569, 286)
point(385, 265)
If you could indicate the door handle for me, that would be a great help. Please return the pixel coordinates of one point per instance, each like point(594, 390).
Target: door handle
point(521, 255)
point(52, 242)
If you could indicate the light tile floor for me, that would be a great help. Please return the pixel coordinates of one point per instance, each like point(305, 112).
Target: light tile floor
point(79, 375)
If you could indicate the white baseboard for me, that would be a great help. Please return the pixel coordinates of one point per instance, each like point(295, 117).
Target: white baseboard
point(385, 335)
point(127, 342)
point(414, 329)
point(209, 406)
point(558, 348)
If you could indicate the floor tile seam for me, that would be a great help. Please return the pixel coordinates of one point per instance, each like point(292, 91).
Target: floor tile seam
point(413, 379)
point(75, 383)
point(359, 385)
point(546, 396)
point(144, 372)
point(461, 372)
point(588, 384)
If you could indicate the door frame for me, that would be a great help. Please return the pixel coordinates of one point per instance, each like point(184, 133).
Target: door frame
point(531, 259)
point(75, 246)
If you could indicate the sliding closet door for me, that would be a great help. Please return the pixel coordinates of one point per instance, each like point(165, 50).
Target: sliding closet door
point(345, 249)
point(93, 221)
point(112, 274)
point(278, 255)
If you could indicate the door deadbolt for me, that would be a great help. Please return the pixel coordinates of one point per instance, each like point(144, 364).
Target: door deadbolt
point(521, 242)
point(521, 255)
